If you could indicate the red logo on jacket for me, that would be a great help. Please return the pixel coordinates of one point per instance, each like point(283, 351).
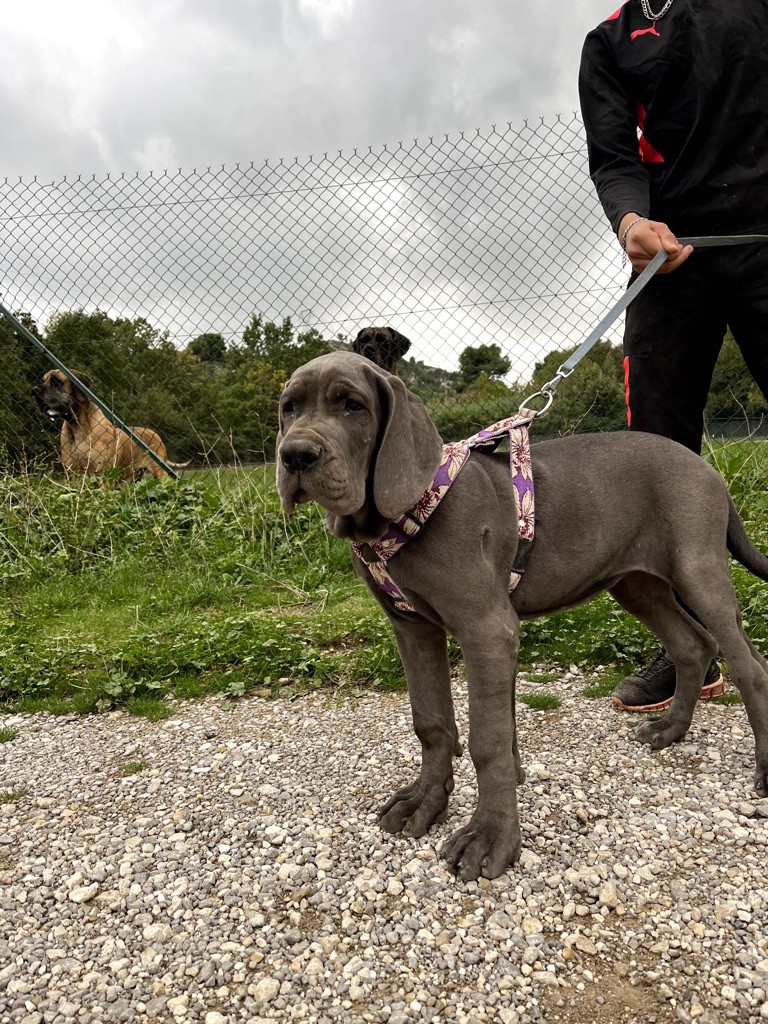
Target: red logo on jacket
point(645, 32)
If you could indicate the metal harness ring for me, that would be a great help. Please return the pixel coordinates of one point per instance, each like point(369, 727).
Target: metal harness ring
point(545, 392)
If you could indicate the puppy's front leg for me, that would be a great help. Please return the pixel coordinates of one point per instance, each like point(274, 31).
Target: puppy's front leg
point(423, 650)
point(491, 841)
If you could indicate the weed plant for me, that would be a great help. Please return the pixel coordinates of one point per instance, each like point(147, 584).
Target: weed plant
point(11, 796)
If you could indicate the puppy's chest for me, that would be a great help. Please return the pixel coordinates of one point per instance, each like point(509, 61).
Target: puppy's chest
point(472, 519)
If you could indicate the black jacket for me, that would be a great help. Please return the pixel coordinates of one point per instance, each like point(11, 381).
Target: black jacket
point(696, 83)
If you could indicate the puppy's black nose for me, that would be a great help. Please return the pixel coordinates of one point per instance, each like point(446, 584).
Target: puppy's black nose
point(299, 456)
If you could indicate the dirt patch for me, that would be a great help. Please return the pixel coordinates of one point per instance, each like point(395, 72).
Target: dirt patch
point(622, 1003)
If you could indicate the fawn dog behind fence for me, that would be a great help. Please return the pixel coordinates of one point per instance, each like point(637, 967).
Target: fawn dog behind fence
point(90, 444)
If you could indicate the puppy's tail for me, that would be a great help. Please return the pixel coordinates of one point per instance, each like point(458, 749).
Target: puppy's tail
point(742, 548)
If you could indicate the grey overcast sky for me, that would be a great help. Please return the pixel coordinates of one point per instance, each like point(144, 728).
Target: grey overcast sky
point(100, 85)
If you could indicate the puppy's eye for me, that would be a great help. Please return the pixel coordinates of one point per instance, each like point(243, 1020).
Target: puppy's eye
point(55, 382)
point(352, 405)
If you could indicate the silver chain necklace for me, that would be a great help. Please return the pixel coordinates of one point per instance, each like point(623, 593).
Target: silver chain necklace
point(645, 4)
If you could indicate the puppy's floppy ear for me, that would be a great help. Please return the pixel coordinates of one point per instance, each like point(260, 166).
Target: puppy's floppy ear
point(409, 452)
point(287, 506)
point(82, 377)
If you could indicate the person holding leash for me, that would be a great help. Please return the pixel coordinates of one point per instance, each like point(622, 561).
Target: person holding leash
point(674, 96)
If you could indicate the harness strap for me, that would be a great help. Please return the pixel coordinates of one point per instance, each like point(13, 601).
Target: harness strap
point(376, 554)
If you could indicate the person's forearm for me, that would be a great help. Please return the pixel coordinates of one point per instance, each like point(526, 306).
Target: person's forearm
point(610, 122)
point(623, 191)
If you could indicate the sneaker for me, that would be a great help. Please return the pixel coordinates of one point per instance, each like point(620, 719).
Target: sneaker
point(652, 688)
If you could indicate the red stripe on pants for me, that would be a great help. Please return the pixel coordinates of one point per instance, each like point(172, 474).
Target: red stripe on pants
point(626, 390)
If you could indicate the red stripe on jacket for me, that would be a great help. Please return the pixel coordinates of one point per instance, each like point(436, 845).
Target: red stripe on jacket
point(615, 15)
point(648, 154)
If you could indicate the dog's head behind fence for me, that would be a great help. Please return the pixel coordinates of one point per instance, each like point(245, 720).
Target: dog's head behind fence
point(58, 396)
point(382, 345)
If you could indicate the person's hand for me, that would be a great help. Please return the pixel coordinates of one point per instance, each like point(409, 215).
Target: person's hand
point(645, 238)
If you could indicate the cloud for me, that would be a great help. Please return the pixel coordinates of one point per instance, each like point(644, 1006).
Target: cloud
point(91, 85)
point(205, 117)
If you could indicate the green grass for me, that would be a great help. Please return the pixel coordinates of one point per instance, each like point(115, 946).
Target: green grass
point(124, 598)
point(147, 706)
point(543, 677)
point(138, 596)
point(132, 768)
point(728, 699)
point(604, 685)
point(540, 701)
point(11, 796)
point(8, 734)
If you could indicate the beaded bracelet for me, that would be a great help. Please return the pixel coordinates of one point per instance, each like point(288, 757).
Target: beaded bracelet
point(627, 229)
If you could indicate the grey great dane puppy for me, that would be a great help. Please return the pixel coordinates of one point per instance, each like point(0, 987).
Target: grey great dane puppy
point(631, 513)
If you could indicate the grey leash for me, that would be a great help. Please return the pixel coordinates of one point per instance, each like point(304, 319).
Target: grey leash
point(547, 391)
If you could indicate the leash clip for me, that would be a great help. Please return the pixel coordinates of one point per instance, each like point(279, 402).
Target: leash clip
point(547, 391)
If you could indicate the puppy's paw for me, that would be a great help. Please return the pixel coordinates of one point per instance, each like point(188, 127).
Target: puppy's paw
point(659, 733)
point(415, 808)
point(761, 780)
point(483, 847)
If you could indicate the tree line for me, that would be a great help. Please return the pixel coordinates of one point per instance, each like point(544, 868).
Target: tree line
point(216, 401)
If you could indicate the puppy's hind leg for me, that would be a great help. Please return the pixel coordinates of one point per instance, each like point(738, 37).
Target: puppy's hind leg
point(710, 593)
point(688, 644)
point(519, 770)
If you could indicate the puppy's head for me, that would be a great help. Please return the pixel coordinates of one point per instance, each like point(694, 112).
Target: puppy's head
point(57, 396)
point(382, 345)
point(356, 441)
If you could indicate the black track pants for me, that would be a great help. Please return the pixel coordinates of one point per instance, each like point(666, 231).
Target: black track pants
point(674, 333)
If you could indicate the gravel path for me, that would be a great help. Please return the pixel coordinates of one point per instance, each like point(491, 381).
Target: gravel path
point(239, 873)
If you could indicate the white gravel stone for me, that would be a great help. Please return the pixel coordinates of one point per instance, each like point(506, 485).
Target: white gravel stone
point(83, 893)
point(242, 876)
point(609, 896)
point(266, 990)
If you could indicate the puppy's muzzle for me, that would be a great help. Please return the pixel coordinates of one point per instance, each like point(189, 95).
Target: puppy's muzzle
point(299, 456)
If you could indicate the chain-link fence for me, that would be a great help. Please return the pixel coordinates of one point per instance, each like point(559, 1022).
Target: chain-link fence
point(188, 297)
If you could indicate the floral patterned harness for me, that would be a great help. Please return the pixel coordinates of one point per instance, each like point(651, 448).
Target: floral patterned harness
point(455, 455)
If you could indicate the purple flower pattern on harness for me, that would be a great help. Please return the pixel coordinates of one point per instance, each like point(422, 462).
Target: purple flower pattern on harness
point(455, 455)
